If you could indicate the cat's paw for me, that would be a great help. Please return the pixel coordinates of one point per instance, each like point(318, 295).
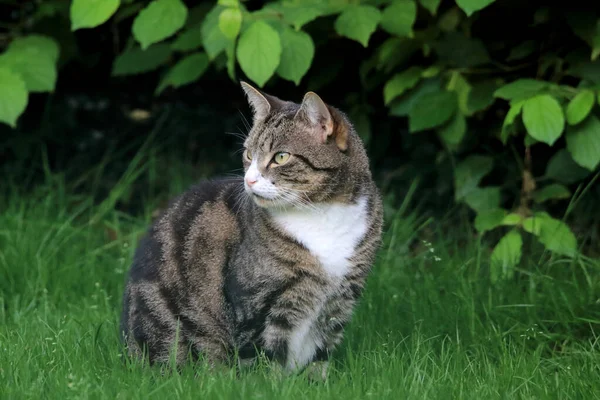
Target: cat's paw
point(246, 363)
point(278, 371)
point(317, 371)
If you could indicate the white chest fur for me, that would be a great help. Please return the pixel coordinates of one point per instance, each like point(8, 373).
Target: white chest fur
point(330, 232)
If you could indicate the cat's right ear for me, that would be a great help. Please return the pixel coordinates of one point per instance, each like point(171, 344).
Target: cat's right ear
point(258, 102)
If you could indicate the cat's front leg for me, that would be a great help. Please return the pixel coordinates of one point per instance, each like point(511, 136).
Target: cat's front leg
point(336, 315)
point(337, 312)
point(289, 336)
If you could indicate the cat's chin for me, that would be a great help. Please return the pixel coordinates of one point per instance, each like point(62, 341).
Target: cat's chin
point(264, 202)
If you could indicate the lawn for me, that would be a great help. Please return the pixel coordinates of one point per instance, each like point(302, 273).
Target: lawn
point(430, 324)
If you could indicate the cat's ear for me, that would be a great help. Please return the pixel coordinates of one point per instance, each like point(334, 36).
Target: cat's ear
point(258, 102)
point(317, 114)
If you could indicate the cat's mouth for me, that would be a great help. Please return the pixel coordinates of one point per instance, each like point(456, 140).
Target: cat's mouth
point(265, 199)
point(266, 202)
point(262, 201)
point(258, 196)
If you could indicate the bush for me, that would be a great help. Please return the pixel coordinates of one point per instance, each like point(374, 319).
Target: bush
point(504, 91)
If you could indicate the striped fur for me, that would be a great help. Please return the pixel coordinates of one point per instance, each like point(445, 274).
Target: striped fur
point(223, 271)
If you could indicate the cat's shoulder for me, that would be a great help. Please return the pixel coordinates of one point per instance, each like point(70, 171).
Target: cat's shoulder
point(201, 203)
point(208, 190)
point(212, 190)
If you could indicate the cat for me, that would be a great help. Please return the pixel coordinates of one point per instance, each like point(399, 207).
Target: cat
point(270, 264)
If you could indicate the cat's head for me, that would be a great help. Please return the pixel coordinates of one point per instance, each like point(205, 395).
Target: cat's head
point(300, 154)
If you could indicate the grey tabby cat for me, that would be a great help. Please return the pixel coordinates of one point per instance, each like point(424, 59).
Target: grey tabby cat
point(274, 262)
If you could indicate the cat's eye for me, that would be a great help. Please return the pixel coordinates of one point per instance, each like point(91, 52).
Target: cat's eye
point(281, 158)
point(247, 155)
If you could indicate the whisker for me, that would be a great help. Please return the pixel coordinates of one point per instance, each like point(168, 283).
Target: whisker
point(238, 135)
point(291, 196)
point(301, 197)
point(245, 121)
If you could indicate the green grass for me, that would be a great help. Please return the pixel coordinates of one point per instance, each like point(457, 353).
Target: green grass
point(429, 326)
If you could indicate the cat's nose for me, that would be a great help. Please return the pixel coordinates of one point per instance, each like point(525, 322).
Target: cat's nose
point(250, 181)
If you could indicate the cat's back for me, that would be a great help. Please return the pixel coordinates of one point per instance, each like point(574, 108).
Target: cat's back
point(209, 207)
point(177, 266)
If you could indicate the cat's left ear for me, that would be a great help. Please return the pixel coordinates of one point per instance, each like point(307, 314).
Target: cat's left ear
point(316, 113)
point(258, 102)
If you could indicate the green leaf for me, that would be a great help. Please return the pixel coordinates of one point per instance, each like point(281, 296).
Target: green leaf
point(230, 22)
point(259, 52)
point(468, 174)
point(459, 50)
point(521, 89)
point(358, 23)
point(489, 219)
point(562, 168)
point(585, 25)
point(521, 51)
point(511, 219)
point(49, 9)
point(511, 115)
point(402, 106)
point(135, 60)
point(91, 13)
point(582, 23)
point(394, 52)
point(513, 112)
point(189, 39)
point(506, 256)
point(297, 54)
point(400, 83)
point(449, 21)
point(453, 132)
point(586, 70)
point(432, 110)
point(596, 44)
point(554, 234)
point(481, 96)
point(399, 17)
point(230, 52)
point(13, 100)
point(431, 5)
point(551, 192)
point(158, 21)
point(44, 44)
point(298, 14)
point(483, 199)
point(229, 3)
point(471, 6)
point(187, 70)
point(431, 71)
point(583, 142)
point(457, 83)
point(34, 64)
point(213, 39)
point(580, 106)
point(533, 225)
point(543, 117)
point(529, 140)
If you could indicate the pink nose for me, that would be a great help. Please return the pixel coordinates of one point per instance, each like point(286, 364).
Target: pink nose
point(250, 181)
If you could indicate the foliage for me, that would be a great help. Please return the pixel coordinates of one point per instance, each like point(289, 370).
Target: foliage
point(435, 63)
